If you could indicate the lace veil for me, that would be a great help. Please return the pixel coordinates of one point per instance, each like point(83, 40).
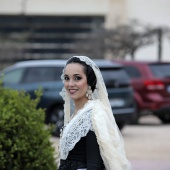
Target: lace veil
point(108, 135)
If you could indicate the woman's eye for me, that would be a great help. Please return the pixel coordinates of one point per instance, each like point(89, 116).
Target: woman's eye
point(66, 78)
point(78, 78)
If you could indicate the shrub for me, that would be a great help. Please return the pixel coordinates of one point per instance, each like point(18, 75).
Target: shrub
point(24, 141)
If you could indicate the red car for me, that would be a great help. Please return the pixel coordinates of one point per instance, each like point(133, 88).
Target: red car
point(151, 84)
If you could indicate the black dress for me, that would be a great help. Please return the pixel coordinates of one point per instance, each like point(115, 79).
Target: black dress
point(85, 154)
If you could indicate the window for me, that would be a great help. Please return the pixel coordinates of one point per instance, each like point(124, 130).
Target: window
point(14, 76)
point(42, 74)
point(132, 72)
point(113, 77)
point(162, 70)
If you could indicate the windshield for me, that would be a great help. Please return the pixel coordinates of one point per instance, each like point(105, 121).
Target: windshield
point(115, 77)
point(161, 70)
point(118, 75)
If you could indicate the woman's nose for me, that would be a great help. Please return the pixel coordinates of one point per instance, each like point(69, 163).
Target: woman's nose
point(71, 83)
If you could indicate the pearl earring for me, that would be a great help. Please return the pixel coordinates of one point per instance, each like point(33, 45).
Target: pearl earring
point(89, 93)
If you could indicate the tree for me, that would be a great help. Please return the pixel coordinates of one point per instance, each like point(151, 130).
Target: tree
point(24, 140)
point(117, 42)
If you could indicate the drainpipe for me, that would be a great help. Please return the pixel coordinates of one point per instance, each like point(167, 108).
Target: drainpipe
point(159, 33)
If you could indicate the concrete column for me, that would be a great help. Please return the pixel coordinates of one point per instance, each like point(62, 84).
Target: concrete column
point(116, 13)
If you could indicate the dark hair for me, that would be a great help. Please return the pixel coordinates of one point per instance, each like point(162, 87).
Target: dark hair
point(91, 77)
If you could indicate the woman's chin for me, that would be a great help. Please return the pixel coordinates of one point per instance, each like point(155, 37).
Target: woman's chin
point(73, 97)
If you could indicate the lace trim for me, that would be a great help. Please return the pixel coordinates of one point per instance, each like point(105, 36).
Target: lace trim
point(78, 127)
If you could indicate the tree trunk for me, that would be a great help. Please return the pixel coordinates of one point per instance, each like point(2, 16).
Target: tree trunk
point(133, 54)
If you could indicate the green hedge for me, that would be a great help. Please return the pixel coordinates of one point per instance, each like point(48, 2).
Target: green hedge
point(24, 140)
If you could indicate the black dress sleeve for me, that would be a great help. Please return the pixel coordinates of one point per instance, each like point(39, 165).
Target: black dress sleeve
point(93, 157)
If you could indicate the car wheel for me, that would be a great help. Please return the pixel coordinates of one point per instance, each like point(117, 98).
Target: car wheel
point(135, 118)
point(165, 118)
point(57, 118)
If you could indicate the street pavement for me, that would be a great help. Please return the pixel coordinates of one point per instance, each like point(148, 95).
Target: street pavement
point(147, 145)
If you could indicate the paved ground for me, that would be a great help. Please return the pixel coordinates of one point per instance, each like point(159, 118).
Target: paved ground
point(147, 145)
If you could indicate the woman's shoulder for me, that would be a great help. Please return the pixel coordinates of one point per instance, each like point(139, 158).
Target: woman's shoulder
point(95, 102)
point(98, 104)
point(97, 107)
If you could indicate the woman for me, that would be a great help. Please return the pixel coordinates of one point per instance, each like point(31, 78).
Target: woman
point(90, 139)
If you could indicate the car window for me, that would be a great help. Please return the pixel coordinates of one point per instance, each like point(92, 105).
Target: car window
point(118, 75)
point(42, 74)
point(162, 70)
point(132, 72)
point(13, 76)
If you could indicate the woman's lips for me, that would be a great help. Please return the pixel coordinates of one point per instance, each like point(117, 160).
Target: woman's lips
point(72, 91)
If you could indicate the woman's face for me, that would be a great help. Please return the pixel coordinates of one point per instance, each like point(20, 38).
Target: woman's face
point(75, 81)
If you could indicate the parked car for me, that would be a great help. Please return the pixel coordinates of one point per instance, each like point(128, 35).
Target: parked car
point(151, 83)
point(30, 75)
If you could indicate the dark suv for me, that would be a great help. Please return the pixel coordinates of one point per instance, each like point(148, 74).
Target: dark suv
point(30, 75)
point(151, 83)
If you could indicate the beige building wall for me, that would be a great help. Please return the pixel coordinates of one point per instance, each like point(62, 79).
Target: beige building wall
point(155, 13)
point(113, 10)
point(54, 7)
point(10, 6)
point(67, 7)
point(116, 13)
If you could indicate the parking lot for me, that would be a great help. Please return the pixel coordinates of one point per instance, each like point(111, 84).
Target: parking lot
point(147, 145)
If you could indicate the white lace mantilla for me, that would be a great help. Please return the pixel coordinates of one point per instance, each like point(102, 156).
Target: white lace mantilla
point(78, 127)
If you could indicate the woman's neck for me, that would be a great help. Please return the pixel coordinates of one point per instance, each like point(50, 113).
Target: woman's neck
point(80, 104)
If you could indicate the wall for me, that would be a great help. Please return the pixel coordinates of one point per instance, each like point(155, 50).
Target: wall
point(116, 13)
point(113, 10)
point(156, 13)
point(54, 7)
point(10, 6)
